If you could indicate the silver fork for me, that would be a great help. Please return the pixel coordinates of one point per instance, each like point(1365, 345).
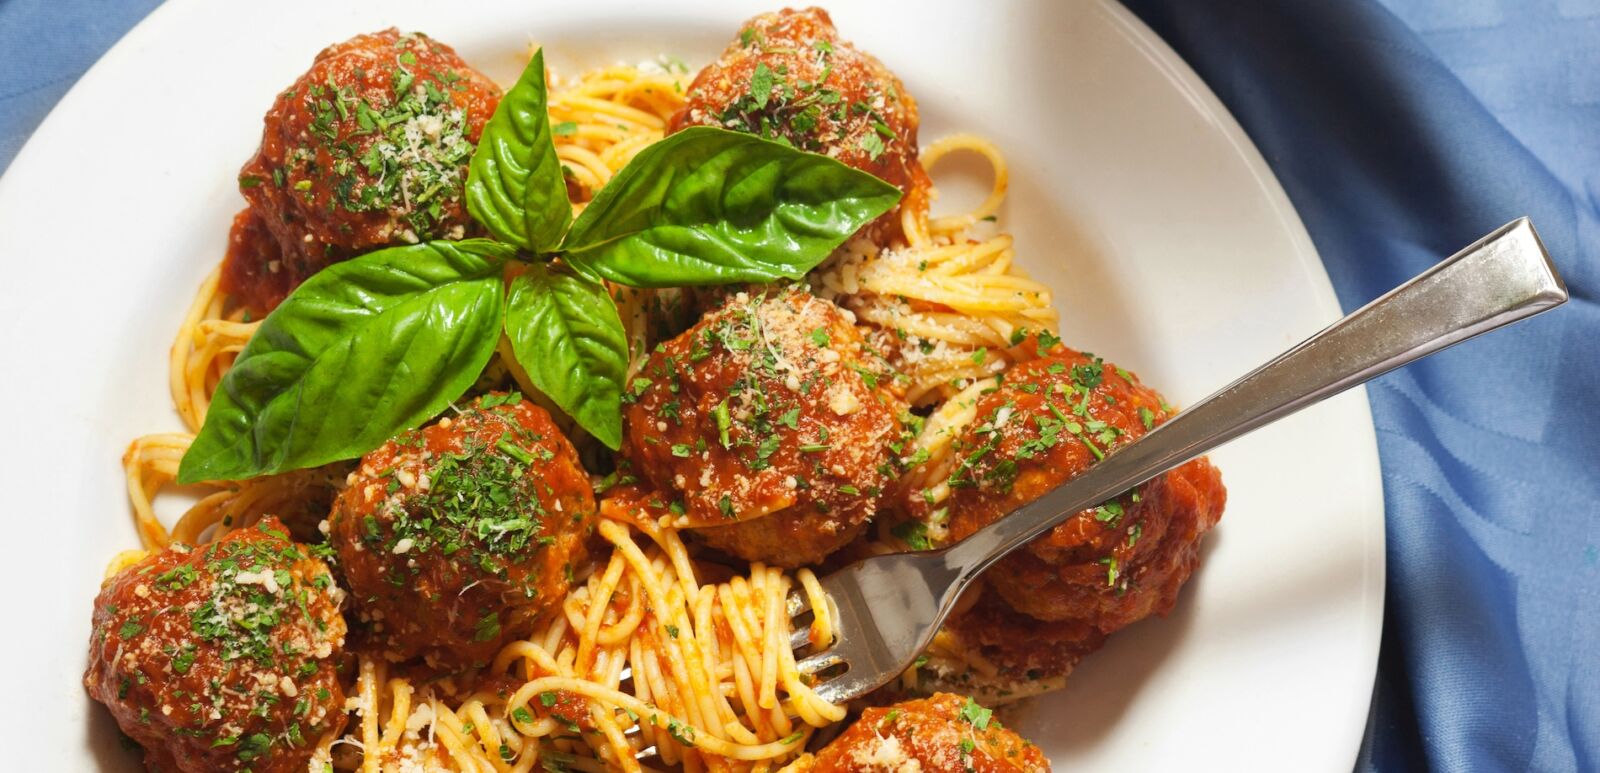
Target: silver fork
point(886, 609)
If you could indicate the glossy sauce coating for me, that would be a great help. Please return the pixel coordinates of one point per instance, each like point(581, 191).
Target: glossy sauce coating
point(942, 734)
point(1107, 566)
point(367, 149)
point(1019, 646)
point(454, 538)
point(788, 75)
point(763, 422)
point(222, 657)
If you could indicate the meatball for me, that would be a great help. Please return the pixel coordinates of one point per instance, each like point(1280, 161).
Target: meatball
point(1107, 566)
point(942, 734)
point(222, 656)
point(1022, 647)
point(763, 421)
point(789, 76)
point(368, 149)
point(253, 272)
point(455, 538)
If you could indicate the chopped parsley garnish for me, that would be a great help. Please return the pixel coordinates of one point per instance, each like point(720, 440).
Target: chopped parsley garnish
point(791, 105)
point(914, 534)
point(764, 451)
point(184, 660)
point(404, 152)
point(976, 715)
point(724, 423)
point(487, 628)
point(761, 82)
point(253, 746)
point(872, 145)
point(483, 498)
point(680, 732)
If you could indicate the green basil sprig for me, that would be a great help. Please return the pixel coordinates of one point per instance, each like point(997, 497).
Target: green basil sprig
point(514, 182)
point(566, 334)
point(376, 345)
point(709, 206)
point(361, 348)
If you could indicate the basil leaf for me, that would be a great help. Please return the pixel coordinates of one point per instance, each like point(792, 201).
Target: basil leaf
point(364, 349)
point(566, 334)
point(711, 206)
point(515, 187)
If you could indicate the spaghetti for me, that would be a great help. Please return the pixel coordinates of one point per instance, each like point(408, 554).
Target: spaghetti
point(648, 663)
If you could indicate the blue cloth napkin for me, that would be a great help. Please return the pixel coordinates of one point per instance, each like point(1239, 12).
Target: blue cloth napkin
point(47, 45)
point(1402, 134)
point(1402, 130)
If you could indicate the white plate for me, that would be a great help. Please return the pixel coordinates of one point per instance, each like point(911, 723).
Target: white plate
point(1173, 249)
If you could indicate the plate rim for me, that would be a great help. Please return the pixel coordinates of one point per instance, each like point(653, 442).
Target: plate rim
point(1309, 259)
point(1375, 533)
point(1154, 48)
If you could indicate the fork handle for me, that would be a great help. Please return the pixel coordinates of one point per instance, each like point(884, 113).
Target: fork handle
point(1502, 278)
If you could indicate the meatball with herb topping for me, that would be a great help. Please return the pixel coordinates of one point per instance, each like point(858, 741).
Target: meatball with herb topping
point(1105, 567)
point(222, 657)
point(456, 537)
point(944, 733)
point(790, 77)
point(764, 428)
point(367, 149)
